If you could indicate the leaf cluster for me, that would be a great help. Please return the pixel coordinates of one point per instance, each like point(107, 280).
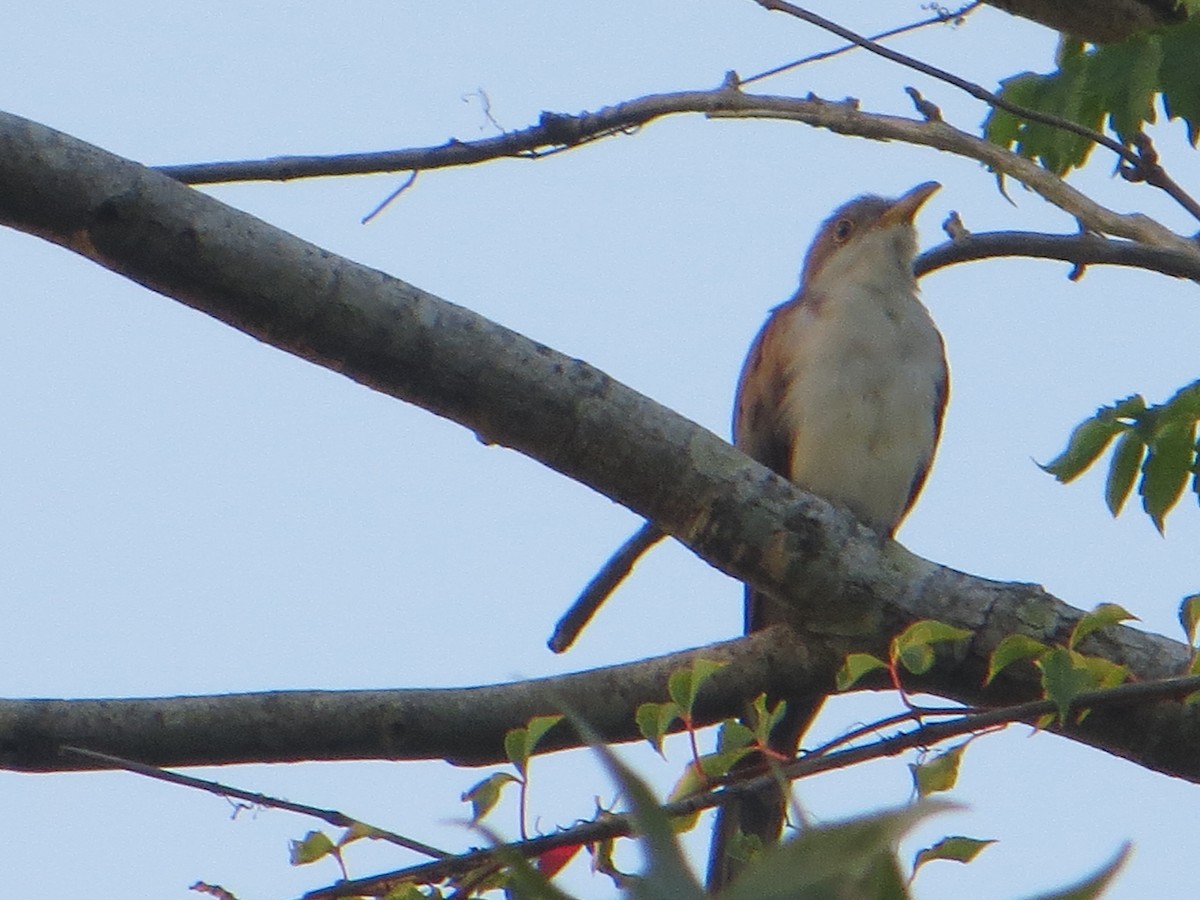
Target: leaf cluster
point(1113, 83)
point(1157, 442)
point(1065, 671)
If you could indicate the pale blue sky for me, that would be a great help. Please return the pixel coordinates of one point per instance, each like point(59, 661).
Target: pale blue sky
point(186, 510)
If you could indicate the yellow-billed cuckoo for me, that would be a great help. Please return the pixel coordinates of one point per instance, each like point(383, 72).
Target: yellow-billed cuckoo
point(842, 392)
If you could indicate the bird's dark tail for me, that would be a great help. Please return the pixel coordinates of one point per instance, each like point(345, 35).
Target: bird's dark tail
point(760, 814)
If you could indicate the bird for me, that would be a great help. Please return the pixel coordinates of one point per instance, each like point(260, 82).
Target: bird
point(842, 392)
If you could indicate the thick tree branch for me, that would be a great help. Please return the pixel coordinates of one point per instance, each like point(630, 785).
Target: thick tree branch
point(849, 588)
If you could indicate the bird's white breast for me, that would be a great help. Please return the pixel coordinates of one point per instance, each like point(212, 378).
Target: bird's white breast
point(863, 397)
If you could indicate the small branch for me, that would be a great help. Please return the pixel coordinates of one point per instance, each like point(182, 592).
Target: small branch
point(1078, 249)
point(332, 816)
point(562, 131)
point(940, 19)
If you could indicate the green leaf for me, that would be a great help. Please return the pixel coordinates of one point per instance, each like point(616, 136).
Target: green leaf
point(1087, 442)
point(484, 795)
point(938, 774)
point(538, 726)
point(1126, 460)
point(1167, 467)
point(1177, 74)
point(913, 647)
point(855, 859)
point(1064, 677)
point(1189, 616)
point(315, 845)
point(684, 684)
point(519, 743)
point(654, 720)
point(1094, 885)
point(1125, 75)
point(1116, 83)
point(856, 666)
point(733, 736)
point(1103, 614)
point(763, 720)
point(1011, 649)
point(357, 832)
point(955, 848)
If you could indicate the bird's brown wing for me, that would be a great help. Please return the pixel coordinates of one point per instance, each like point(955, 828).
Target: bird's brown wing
point(758, 431)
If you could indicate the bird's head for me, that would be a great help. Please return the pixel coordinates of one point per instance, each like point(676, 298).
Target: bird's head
point(869, 239)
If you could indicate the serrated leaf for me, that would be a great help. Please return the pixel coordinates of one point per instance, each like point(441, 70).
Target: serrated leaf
point(484, 795)
point(1011, 649)
point(855, 667)
point(1166, 469)
point(654, 720)
point(1126, 75)
point(955, 848)
point(938, 774)
point(1084, 446)
point(1189, 616)
point(1064, 678)
point(1126, 460)
point(1093, 886)
point(913, 647)
point(315, 845)
point(1177, 74)
point(1104, 614)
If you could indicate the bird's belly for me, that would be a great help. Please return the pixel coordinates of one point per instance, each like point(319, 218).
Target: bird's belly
point(862, 437)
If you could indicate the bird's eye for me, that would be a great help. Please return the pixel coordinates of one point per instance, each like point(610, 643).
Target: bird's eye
point(841, 231)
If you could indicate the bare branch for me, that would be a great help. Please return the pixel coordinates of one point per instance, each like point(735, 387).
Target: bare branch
point(332, 816)
point(556, 131)
point(1078, 249)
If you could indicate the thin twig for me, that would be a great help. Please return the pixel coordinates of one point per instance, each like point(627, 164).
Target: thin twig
point(1135, 159)
point(939, 19)
point(333, 817)
point(383, 204)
